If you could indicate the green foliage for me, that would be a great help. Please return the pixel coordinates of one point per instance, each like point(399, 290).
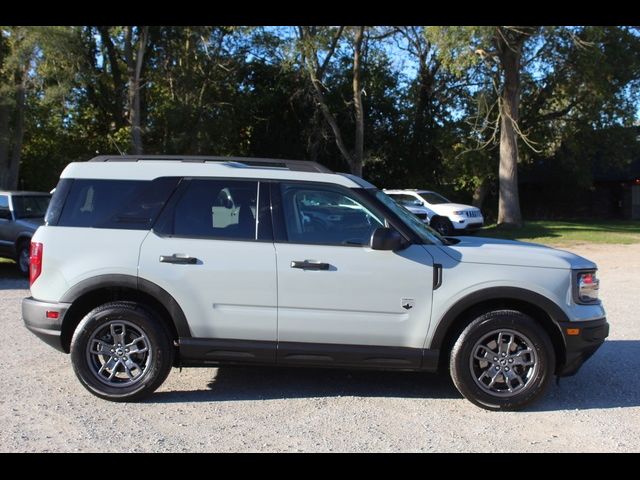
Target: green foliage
point(244, 91)
point(569, 233)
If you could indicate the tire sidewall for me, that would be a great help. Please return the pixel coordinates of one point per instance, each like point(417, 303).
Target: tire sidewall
point(156, 372)
point(445, 223)
point(23, 246)
point(512, 320)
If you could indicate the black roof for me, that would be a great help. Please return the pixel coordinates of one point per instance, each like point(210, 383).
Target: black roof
point(294, 165)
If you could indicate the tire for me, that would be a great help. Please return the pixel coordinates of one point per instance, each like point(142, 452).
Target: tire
point(520, 361)
point(22, 260)
point(121, 375)
point(442, 225)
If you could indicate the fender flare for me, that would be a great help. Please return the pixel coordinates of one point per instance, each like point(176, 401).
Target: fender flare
point(495, 293)
point(136, 283)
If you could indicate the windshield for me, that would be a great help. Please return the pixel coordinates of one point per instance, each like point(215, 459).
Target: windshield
point(30, 206)
point(426, 233)
point(433, 198)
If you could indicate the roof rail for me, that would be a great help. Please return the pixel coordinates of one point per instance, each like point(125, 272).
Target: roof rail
point(294, 165)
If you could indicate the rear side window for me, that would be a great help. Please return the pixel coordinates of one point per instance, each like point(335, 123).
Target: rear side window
point(127, 204)
point(224, 209)
point(30, 206)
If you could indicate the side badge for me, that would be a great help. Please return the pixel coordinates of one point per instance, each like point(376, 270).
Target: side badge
point(408, 303)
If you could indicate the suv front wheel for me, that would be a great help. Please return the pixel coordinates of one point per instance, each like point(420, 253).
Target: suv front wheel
point(121, 352)
point(503, 360)
point(442, 225)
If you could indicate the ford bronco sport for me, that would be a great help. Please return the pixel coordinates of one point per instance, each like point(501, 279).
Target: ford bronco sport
point(145, 263)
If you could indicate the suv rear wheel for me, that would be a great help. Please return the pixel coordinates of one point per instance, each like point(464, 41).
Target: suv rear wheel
point(503, 360)
point(23, 258)
point(121, 352)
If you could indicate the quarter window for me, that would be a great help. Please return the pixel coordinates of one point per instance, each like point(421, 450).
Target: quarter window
point(127, 204)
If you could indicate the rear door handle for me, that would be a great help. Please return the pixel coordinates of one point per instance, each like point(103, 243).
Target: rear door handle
point(179, 258)
point(309, 265)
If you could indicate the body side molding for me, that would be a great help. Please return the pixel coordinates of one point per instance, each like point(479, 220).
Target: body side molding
point(221, 351)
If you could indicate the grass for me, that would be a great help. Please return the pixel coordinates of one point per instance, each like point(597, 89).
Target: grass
point(569, 232)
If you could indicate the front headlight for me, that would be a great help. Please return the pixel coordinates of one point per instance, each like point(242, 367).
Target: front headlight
point(586, 287)
point(459, 212)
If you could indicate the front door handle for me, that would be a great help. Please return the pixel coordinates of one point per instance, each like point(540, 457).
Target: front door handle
point(179, 258)
point(309, 265)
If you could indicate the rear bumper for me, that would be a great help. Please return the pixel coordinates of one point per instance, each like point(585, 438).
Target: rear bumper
point(49, 330)
point(579, 348)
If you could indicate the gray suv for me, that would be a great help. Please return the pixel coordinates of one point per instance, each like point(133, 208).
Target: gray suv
point(21, 213)
point(151, 262)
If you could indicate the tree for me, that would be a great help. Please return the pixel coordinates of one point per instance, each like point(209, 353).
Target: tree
point(508, 43)
point(414, 110)
point(17, 50)
point(311, 41)
point(501, 50)
point(134, 63)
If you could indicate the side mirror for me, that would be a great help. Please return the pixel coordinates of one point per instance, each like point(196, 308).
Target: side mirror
point(5, 214)
point(385, 239)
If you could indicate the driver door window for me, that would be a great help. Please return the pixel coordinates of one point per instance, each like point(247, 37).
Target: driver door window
point(322, 215)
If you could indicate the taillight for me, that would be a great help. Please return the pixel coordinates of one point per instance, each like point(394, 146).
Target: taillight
point(35, 262)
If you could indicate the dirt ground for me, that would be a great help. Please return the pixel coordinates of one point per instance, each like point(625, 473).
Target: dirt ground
point(44, 408)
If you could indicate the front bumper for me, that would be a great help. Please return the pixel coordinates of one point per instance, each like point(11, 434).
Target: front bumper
point(467, 227)
point(580, 347)
point(49, 330)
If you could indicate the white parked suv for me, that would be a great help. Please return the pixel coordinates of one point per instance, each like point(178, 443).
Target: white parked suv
point(445, 217)
point(145, 263)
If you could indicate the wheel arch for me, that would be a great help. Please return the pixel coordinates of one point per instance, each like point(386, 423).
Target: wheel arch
point(437, 216)
point(540, 308)
point(90, 293)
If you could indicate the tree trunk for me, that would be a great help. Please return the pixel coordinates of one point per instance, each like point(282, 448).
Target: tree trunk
point(480, 193)
point(422, 151)
point(316, 71)
point(11, 138)
point(358, 154)
point(18, 130)
point(118, 88)
point(4, 145)
point(134, 67)
point(509, 203)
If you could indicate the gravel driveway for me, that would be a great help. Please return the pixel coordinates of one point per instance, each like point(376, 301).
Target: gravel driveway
point(44, 408)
